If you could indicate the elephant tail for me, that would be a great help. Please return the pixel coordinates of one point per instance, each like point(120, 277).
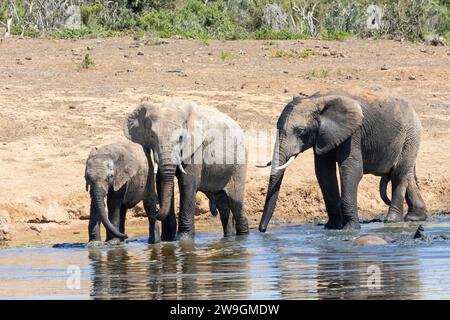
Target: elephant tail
point(383, 187)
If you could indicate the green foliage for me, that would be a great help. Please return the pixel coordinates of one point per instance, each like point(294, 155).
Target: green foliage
point(87, 62)
point(305, 53)
point(90, 14)
point(245, 19)
point(226, 55)
point(284, 34)
point(83, 32)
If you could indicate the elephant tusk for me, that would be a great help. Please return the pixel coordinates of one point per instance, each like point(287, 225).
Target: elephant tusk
point(284, 166)
point(181, 168)
point(265, 166)
point(155, 168)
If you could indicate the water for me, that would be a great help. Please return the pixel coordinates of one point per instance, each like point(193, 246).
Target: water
point(299, 262)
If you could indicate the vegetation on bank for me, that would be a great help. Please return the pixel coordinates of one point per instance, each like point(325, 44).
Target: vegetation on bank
point(232, 19)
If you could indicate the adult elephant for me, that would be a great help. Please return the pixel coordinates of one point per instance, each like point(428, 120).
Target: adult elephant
point(204, 149)
point(362, 133)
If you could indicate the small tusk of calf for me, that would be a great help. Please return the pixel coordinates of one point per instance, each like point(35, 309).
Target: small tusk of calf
point(155, 168)
point(284, 166)
point(265, 166)
point(181, 168)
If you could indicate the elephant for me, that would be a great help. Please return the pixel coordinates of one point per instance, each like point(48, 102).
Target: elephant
point(189, 143)
point(122, 172)
point(363, 132)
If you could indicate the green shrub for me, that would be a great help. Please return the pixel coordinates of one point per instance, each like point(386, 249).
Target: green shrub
point(87, 62)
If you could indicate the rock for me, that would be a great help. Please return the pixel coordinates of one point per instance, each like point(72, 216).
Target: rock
point(384, 67)
point(28, 58)
point(5, 234)
point(140, 53)
point(368, 240)
point(398, 78)
point(89, 48)
point(53, 213)
point(436, 41)
point(286, 90)
point(326, 53)
point(412, 78)
point(201, 204)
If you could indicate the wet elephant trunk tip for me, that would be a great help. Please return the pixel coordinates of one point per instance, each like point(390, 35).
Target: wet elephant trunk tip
point(98, 198)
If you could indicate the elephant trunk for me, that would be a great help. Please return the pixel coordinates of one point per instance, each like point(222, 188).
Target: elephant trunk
point(167, 172)
point(276, 177)
point(98, 199)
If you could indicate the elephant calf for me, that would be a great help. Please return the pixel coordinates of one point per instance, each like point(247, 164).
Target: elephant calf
point(362, 133)
point(124, 174)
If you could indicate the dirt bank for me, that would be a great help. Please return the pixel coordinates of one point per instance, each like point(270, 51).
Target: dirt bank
point(52, 112)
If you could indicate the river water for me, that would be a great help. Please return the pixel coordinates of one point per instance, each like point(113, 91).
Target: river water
point(298, 262)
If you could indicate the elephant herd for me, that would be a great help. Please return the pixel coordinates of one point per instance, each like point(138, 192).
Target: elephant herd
point(205, 150)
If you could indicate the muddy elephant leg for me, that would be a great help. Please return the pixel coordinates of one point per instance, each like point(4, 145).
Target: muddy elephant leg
point(153, 229)
point(123, 215)
point(226, 218)
point(417, 210)
point(236, 202)
point(114, 204)
point(399, 185)
point(325, 167)
point(169, 224)
point(351, 174)
point(94, 225)
point(186, 218)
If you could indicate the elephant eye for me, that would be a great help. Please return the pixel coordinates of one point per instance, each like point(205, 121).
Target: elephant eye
point(299, 131)
point(110, 177)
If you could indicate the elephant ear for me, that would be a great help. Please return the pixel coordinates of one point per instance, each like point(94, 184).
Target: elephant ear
point(137, 122)
point(195, 134)
point(339, 118)
point(125, 169)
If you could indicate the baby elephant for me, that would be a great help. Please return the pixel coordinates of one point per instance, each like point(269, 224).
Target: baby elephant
point(124, 174)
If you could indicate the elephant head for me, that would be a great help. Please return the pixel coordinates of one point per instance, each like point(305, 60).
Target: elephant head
point(106, 168)
point(174, 131)
point(322, 122)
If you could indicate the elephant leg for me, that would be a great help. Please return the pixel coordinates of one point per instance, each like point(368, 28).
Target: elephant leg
point(325, 167)
point(395, 212)
point(153, 229)
point(169, 224)
point(186, 218)
point(123, 215)
point(236, 203)
point(94, 225)
point(226, 218)
point(114, 204)
point(417, 210)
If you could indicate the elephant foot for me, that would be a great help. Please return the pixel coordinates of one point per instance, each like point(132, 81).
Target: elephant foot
point(114, 242)
point(393, 217)
point(153, 240)
point(352, 224)
point(333, 224)
point(416, 216)
point(185, 236)
point(95, 244)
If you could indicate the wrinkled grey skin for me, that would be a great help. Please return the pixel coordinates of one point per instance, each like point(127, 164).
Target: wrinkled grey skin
point(123, 173)
point(362, 133)
point(179, 130)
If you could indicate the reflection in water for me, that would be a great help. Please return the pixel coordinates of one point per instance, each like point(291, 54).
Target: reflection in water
point(171, 271)
point(287, 263)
